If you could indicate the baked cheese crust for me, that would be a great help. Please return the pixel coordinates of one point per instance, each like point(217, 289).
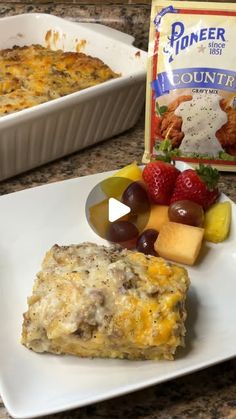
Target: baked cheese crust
point(98, 301)
point(31, 75)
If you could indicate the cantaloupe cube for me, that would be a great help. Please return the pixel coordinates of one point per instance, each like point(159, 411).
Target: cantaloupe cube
point(157, 217)
point(179, 242)
point(98, 217)
point(217, 222)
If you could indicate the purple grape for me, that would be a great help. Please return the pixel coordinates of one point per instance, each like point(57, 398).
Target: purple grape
point(145, 242)
point(186, 212)
point(123, 232)
point(136, 197)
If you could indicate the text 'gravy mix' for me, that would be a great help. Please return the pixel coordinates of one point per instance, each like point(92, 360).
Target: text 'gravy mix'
point(191, 83)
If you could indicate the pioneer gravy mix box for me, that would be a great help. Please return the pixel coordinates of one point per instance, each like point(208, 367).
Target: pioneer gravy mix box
point(191, 83)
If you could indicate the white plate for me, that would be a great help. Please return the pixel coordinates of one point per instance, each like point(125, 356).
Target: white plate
point(32, 384)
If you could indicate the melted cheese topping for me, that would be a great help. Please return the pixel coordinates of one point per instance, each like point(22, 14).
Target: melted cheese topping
point(33, 74)
point(202, 117)
point(91, 300)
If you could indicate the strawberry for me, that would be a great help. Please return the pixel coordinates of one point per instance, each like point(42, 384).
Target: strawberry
point(160, 178)
point(198, 185)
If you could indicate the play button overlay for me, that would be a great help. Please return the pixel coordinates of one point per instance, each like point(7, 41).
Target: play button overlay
point(118, 209)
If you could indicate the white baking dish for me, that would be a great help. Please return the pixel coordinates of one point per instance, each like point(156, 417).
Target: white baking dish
point(34, 136)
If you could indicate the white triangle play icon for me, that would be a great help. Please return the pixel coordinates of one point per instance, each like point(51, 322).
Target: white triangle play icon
point(116, 209)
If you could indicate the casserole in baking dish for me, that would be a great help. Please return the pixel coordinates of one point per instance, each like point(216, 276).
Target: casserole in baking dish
point(33, 74)
point(42, 133)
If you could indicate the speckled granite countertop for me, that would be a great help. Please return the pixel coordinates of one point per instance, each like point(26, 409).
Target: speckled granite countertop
point(129, 18)
point(206, 394)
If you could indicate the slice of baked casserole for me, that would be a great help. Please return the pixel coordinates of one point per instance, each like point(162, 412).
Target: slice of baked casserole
point(32, 74)
point(97, 301)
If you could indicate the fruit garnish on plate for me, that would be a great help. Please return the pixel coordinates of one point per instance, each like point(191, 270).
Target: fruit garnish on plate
point(136, 198)
point(179, 242)
point(157, 217)
point(98, 214)
point(145, 242)
point(172, 212)
point(124, 233)
point(199, 185)
point(132, 172)
point(160, 178)
point(186, 212)
point(217, 222)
